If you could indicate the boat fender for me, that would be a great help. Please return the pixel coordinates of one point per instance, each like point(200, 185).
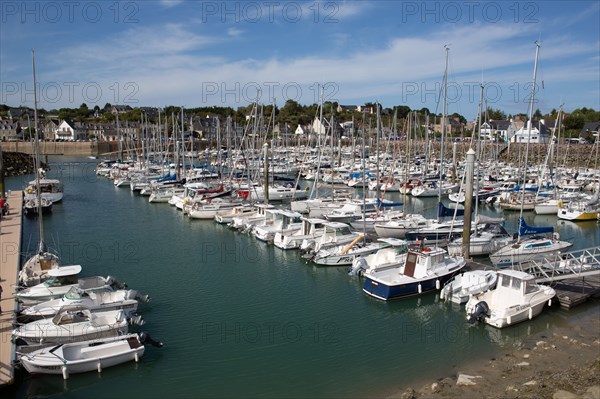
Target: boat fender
point(65, 372)
point(99, 367)
point(549, 302)
point(509, 320)
point(530, 313)
point(437, 284)
point(419, 288)
point(480, 310)
point(136, 357)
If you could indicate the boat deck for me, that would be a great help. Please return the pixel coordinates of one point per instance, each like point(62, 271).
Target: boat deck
point(571, 290)
point(10, 249)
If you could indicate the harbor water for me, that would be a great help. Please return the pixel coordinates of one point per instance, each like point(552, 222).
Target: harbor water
point(240, 318)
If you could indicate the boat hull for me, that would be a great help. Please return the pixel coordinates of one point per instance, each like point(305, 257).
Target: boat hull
point(116, 351)
point(385, 292)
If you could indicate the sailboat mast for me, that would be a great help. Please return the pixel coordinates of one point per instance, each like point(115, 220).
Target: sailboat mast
point(444, 113)
point(37, 154)
point(531, 100)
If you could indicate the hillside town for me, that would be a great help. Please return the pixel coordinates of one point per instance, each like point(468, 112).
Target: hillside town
point(293, 120)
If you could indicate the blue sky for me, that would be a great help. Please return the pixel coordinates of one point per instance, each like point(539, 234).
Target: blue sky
point(157, 53)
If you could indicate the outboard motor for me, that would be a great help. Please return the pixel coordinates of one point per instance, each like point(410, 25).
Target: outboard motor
point(137, 320)
point(146, 338)
point(110, 280)
point(142, 298)
point(358, 267)
point(480, 310)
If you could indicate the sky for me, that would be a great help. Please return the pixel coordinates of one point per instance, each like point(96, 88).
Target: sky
point(214, 53)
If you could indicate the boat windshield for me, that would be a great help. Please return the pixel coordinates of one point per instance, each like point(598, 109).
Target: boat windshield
point(73, 293)
point(58, 281)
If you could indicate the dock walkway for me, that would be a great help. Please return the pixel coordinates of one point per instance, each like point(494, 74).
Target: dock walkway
point(10, 249)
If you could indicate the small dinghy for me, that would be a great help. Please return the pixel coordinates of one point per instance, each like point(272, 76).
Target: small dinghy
point(81, 357)
point(464, 285)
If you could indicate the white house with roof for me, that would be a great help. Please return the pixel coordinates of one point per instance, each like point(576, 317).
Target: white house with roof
point(70, 131)
point(537, 135)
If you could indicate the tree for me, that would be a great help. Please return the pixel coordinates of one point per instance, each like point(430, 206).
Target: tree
point(575, 121)
point(537, 114)
point(495, 114)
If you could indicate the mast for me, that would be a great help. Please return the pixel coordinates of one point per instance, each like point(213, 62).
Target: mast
point(530, 116)
point(444, 112)
point(42, 247)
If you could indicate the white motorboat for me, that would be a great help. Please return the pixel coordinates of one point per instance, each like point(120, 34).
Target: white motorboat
point(75, 323)
point(283, 222)
point(311, 229)
point(422, 270)
point(398, 228)
point(345, 255)
point(516, 298)
point(464, 285)
point(527, 250)
point(487, 238)
point(60, 281)
point(92, 355)
point(335, 234)
point(237, 211)
point(126, 300)
point(385, 258)
point(208, 211)
point(50, 189)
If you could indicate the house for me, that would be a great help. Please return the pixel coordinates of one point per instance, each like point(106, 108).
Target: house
point(282, 129)
point(346, 108)
point(120, 109)
point(50, 128)
point(103, 131)
point(538, 134)
point(9, 130)
point(590, 130)
point(20, 113)
point(70, 131)
point(325, 126)
point(300, 130)
point(453, 126)
point(500, 129)
point(151, 112)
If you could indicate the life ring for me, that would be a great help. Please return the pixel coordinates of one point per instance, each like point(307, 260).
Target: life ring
point(426, 249)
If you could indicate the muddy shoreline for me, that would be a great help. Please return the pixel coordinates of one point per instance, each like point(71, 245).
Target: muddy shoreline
point(561, 363)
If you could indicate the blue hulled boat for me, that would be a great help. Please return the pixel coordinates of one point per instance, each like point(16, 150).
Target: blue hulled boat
point(423, 269)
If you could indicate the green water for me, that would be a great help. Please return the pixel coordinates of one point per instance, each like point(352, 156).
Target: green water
point(243, 319)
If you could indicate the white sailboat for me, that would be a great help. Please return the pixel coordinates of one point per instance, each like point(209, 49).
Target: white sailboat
point(35, 270)
point(525, 250)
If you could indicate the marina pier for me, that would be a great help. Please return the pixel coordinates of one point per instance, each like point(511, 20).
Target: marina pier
point(10, 250)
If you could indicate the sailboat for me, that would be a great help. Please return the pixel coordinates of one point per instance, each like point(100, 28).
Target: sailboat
point(525, 250)
point(35, 270)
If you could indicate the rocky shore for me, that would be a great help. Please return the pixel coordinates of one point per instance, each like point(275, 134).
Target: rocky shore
point(563, 363)
point(18, 164)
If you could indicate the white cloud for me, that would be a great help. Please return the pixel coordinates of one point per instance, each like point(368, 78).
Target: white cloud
point(170, 3)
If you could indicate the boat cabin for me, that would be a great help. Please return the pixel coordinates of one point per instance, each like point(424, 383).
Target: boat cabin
point(419, 263)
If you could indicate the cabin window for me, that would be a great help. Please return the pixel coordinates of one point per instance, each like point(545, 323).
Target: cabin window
point(516, 284)
point(505, 282)
point(530, 287)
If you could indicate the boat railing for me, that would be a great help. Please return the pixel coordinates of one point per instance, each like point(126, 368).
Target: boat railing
point(578, 263)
